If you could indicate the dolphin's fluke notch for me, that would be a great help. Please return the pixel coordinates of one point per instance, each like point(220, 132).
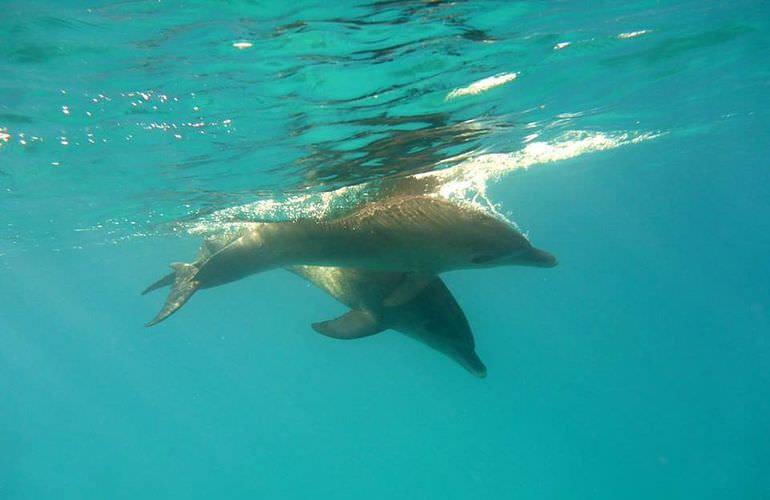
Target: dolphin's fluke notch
point(184, 286)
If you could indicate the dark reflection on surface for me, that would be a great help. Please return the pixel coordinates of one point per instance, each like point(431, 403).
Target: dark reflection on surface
point(401, 145)
point(212, 109)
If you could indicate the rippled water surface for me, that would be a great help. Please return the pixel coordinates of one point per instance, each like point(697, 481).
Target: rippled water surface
point(631, 139)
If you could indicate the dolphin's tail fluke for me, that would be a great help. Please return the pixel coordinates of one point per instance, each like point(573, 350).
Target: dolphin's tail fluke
point(184, 285)
point(164, 281)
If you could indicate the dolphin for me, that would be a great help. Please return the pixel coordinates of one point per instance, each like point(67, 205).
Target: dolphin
point(432, 317)
point(419, 236)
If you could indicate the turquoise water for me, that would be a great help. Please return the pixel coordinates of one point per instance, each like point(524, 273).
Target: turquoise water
point(630, 139)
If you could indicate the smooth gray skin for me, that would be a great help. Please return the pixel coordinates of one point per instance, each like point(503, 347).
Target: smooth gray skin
point(432, 317)
point(421, 235)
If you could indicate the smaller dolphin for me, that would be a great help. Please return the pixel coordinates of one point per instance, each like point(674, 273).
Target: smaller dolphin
point(432, 317)
point(418, 235)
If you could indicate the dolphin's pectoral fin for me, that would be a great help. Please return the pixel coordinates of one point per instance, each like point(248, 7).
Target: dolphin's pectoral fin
point(409, 287)
point(184, 286)
point(351, 325)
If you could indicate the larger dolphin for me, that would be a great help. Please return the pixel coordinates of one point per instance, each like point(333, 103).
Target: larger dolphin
point(419, 236)
point(432, 316)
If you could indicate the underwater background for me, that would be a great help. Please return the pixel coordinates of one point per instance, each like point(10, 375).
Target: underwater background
point(631, 139)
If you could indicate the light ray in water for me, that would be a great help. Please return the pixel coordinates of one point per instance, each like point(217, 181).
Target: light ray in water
point(465, 182)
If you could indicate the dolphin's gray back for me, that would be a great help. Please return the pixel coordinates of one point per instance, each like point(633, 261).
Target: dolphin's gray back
point(414, 233)
point(417, 213)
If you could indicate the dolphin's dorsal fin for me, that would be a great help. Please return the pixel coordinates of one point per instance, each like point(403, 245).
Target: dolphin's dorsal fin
point(351, 325)
point(411, 284)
